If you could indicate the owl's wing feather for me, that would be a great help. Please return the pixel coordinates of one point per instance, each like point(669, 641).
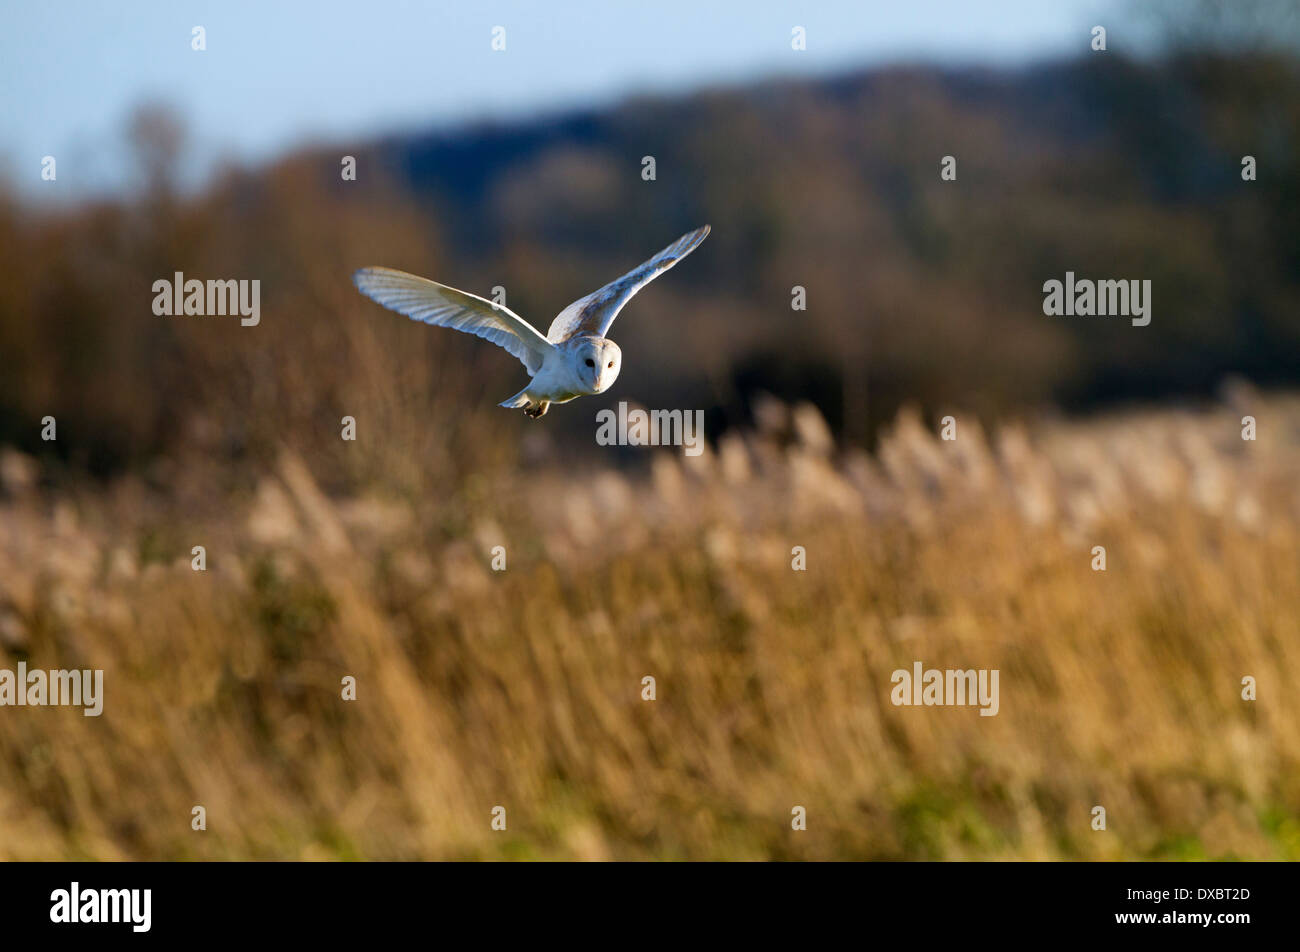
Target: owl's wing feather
point(596, 312)
point(423, 300)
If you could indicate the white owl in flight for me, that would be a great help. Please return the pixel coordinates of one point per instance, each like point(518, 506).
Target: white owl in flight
point(573, 359)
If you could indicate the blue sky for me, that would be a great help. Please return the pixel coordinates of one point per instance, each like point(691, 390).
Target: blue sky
point(275, 75)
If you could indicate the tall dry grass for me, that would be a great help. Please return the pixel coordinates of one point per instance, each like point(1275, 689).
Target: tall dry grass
point(522, 688)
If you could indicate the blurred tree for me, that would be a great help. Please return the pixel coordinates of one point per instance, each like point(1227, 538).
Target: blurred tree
point(1239, 27)
point(157, 137)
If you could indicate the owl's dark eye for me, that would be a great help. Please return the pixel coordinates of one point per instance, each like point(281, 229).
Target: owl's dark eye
point(590, 362)
point(611, 363)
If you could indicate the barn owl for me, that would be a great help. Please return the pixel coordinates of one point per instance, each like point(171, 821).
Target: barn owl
point(575, 357)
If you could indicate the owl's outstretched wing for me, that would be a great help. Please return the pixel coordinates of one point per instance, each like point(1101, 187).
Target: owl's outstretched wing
point(596, 312)
point(423, 300)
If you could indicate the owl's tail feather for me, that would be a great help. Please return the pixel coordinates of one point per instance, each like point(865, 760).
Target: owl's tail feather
point(520, 399)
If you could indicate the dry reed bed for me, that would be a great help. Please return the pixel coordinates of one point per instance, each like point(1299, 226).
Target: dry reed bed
point(522, 688)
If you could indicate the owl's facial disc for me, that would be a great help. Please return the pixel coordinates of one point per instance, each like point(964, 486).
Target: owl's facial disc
point(598, 362)
point(608, 360)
